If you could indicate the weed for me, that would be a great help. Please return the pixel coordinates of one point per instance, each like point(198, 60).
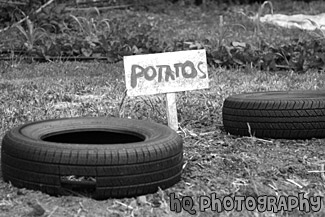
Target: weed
point(94, 30)
point(92, 27)
point(230, 41)
point(53, 18)
point(319, 30)
point(32, 35)
point(225, 31)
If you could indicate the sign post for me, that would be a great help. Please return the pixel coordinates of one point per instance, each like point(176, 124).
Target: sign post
point(166, 73)
point(172, 111)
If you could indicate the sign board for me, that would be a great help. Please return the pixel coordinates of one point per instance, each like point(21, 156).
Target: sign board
point(166, 72)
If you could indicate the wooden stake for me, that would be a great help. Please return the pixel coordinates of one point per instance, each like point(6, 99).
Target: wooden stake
point(172, 111)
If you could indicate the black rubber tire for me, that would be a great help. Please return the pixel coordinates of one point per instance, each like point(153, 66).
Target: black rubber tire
point(286, 115)
point(110, 157)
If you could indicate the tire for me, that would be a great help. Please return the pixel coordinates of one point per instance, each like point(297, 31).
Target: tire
point(279, 115)
point(105, 157)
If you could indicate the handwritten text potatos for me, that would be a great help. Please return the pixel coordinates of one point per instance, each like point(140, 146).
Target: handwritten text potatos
point(165, 73)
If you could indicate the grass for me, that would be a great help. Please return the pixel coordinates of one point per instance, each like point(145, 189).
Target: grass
point(214, 161)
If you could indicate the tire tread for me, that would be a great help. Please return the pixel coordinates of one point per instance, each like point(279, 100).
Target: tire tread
point(287, 118)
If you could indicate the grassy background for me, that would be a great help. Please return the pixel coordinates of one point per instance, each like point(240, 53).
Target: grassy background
point(214, 161)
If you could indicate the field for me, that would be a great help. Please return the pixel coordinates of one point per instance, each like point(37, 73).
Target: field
point(214, 162)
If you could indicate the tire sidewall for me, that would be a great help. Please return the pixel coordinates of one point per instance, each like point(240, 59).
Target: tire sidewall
point(26, 140)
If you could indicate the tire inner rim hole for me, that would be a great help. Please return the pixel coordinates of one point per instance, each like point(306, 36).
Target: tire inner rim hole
point(93, 137)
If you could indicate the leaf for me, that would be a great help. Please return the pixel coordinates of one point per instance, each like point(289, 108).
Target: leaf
point(136, 50)
point(238, 61)
point(193, 45)
point(59, 8)
point(22, 30)
point(86, 52)
point(142, 200)
point(239, 44)
point(77, 20)
point(218, 62)
point(97, 55)
point(46, 11)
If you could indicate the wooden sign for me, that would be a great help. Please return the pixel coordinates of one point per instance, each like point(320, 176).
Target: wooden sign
point(166, 73)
